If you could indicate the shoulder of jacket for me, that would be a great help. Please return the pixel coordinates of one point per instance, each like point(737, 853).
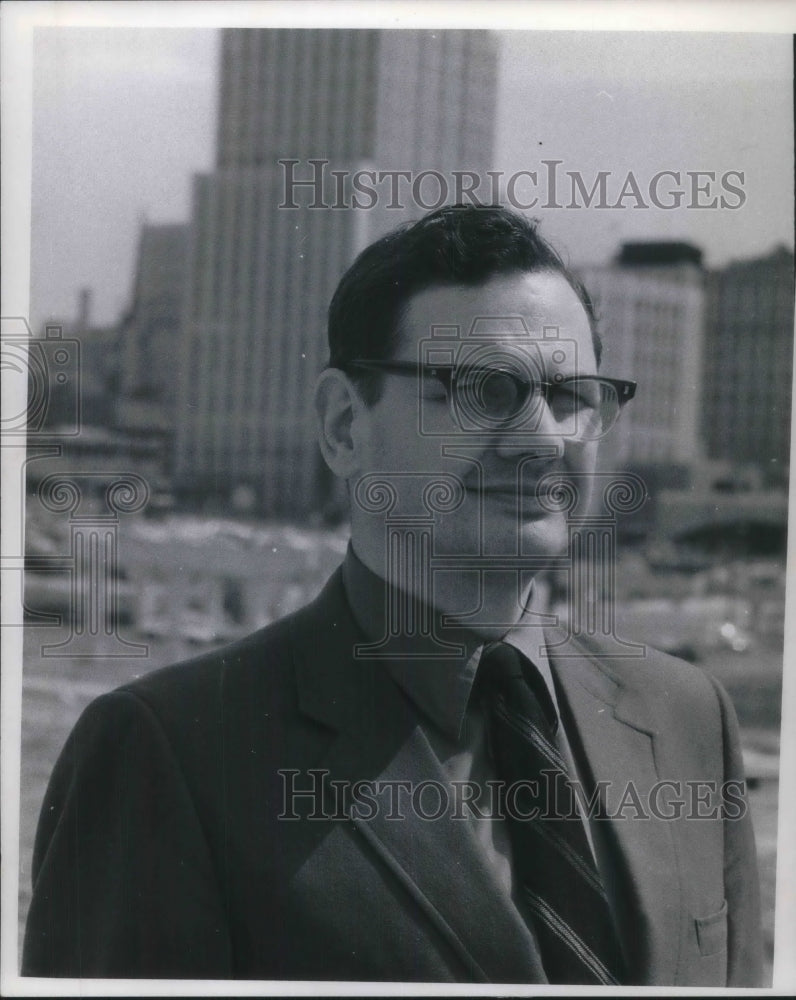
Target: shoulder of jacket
point(654, 673)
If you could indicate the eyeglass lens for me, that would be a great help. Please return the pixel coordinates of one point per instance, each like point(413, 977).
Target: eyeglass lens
point(585, 408)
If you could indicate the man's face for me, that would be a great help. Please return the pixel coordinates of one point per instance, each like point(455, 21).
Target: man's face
point(412, 434)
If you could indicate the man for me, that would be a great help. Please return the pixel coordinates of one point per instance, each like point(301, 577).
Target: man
point(384, 786)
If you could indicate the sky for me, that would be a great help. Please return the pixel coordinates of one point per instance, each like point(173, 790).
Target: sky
point(123, 117)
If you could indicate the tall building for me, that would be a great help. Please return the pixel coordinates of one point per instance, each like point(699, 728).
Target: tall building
point(749, 363)
point(89, 397)
point(650, 307)
point(261, 272)
point(85, 411)
point(150, 331)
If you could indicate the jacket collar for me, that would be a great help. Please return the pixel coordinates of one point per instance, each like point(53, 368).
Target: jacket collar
point(335, 687)
point(379, 737)
point(380, 741)
point(614, 721)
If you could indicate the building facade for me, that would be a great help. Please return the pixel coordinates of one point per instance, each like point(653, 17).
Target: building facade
point(263, 264)
point(650, 304)
point(749, 363)
point(149, 332)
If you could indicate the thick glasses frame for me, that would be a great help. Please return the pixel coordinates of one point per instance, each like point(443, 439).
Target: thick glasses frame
point(446, 374)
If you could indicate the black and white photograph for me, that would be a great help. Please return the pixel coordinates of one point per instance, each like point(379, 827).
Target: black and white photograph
point(396, 456)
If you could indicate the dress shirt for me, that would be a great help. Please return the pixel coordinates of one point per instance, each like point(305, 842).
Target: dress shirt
point(455, 724)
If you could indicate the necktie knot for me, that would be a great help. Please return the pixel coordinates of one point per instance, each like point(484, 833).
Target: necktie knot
point(504, 671)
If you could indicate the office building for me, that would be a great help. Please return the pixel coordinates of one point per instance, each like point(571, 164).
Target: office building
point(261, 272)
point(749, 363)
point(87, 397)
point(651, 313)
point(149, 332)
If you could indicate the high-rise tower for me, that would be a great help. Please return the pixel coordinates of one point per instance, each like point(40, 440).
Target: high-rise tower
point(749, 363)
point(260, 274)
point(650, 306)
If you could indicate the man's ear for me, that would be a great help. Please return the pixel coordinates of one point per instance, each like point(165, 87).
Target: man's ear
point(338, 410)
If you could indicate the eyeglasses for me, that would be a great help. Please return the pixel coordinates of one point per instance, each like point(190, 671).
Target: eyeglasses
point(488, 397)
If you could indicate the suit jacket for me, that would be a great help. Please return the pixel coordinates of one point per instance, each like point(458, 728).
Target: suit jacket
point(164, 850)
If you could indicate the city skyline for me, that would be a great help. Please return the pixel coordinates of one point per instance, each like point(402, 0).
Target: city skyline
point(86, 225)
point(246, 344)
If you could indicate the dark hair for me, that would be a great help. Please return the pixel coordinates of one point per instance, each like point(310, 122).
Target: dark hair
point(455, 245)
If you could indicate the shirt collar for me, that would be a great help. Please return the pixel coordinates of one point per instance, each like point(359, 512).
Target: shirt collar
point(530, 641)
point(439, 685)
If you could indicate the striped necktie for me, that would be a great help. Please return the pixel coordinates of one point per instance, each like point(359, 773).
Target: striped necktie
point(558, 882)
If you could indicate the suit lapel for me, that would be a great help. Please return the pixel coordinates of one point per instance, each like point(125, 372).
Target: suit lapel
point(439, 862)
point(614, 725)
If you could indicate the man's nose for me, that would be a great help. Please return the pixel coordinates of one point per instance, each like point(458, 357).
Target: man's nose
point(539, 436)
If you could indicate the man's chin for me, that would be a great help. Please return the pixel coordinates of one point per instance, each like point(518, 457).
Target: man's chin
point(538, 533)
point(502, 532)
point(545, 535)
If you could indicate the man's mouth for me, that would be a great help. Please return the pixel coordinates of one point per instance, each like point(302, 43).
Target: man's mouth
point(526, 492)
